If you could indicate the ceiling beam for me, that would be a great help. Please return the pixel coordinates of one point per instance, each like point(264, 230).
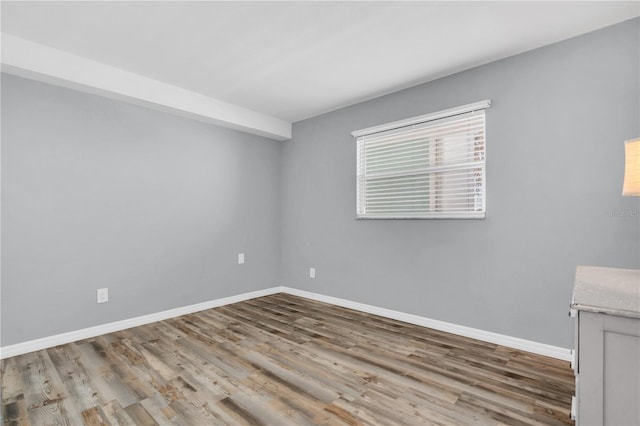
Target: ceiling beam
point(38, 62)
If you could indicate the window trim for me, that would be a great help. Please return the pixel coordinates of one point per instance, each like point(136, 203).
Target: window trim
point(419, 120)
point(476, 106)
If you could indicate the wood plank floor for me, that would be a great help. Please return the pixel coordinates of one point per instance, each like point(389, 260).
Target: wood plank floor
point(284, 360)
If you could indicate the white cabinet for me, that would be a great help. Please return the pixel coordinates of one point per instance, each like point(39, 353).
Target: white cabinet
point(607, 306)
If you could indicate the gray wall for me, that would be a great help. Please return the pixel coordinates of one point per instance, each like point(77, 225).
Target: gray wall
point(98, 193)
point(555, 162)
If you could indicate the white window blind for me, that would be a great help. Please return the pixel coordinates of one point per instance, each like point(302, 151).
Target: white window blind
point(424, 167)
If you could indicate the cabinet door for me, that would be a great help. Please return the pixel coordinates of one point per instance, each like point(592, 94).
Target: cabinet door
point(609, 387)
point(621, 371)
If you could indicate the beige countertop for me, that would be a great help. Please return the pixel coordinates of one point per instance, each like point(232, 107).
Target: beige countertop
point(608, 290)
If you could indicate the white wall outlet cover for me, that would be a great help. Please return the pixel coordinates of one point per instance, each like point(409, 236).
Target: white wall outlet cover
point(103, 295)
point(240, 258)
point(312, 272)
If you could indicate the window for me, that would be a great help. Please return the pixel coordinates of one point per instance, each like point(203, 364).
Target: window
point(427, 167)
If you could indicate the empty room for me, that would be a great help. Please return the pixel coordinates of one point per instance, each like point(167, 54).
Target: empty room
point(320, 213)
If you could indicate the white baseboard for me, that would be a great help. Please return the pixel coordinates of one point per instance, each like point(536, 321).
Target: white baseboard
point(487, 336)
point(461, 330)
point(86, 333)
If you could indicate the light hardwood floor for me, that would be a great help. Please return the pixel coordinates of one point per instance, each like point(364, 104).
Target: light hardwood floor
point(283, 360)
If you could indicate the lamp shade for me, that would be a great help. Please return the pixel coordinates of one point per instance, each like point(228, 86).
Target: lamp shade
point(631, 184)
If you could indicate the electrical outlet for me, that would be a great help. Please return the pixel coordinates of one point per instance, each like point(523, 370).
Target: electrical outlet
point(312, 272)
point(103, 295)
point(240, 258)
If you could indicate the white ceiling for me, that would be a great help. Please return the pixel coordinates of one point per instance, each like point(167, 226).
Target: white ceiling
point(294, 60)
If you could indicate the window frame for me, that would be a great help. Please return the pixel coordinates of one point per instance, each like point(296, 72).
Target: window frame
point(443, 116)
